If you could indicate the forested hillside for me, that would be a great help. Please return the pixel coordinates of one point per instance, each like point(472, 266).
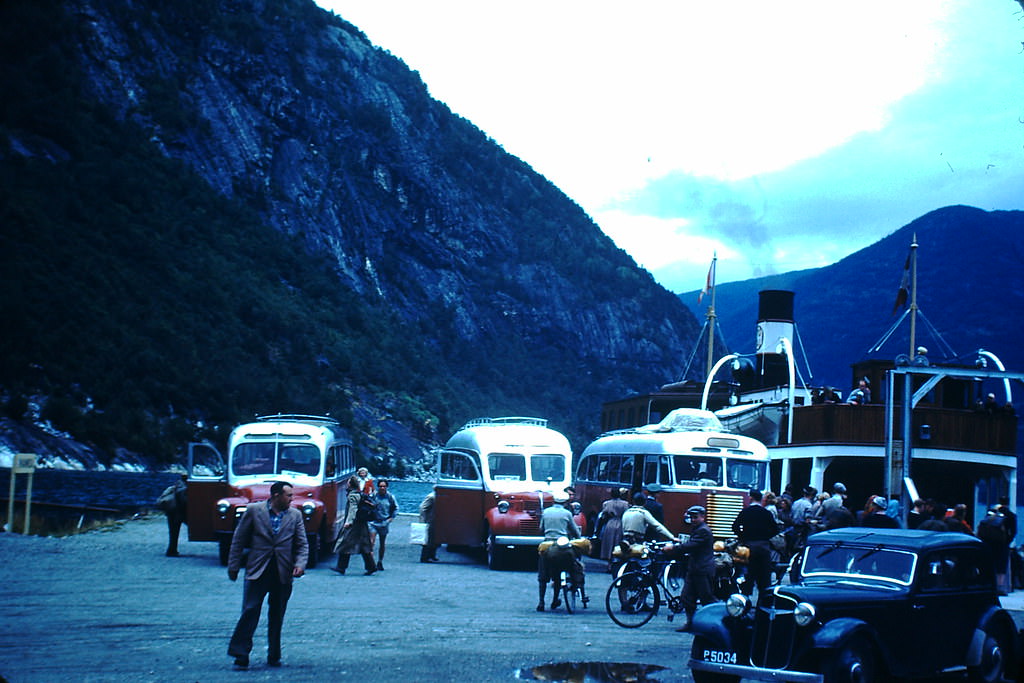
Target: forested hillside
point(227, 207)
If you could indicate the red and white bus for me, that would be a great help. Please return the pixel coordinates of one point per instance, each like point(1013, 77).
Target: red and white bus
point(688, 455)
point(494, 477)
point(314, 454)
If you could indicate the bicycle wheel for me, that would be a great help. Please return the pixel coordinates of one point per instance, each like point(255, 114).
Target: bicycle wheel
point(569, 595)
point(673, 578)
point(632, 600)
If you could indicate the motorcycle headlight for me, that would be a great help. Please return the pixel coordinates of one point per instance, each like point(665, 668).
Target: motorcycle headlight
point(503, 506)
point(804, 613)
point(308, 508)
point(737, 605)
point(222, 507)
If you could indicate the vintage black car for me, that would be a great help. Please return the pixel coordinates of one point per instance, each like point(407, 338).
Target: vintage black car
point(866, 604)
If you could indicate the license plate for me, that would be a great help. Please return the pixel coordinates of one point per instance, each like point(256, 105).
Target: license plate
point(719, 657)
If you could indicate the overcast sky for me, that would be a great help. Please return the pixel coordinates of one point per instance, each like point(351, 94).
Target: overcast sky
point(781, 135)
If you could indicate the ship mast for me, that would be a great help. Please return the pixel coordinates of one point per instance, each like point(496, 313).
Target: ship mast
point(913, 295)
point(711, 315)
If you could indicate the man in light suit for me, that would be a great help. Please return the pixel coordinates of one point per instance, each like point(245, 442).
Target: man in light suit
point(276, 538)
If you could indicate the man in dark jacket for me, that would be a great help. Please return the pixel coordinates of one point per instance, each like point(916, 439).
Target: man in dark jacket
point(275, 536)
point(700, 570)
point(754, 526)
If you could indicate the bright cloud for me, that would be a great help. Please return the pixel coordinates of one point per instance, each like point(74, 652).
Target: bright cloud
point(746, 129)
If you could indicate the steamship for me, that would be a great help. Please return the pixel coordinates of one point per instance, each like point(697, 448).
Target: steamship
point(921, 436)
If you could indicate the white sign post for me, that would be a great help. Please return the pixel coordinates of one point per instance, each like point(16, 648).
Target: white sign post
point(24, 463)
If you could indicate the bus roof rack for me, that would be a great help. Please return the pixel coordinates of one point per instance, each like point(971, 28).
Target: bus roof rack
point(535, 421)
point(292, 417)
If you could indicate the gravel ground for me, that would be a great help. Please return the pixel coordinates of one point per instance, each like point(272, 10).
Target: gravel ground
point(108, 606)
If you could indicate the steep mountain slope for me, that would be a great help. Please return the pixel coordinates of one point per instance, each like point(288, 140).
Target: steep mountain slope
point(223, 207)
point(970, 270)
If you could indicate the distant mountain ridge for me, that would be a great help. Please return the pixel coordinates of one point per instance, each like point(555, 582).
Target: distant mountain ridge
point(970, 274)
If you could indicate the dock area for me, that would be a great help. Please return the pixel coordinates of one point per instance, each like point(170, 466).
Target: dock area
point(108, 606)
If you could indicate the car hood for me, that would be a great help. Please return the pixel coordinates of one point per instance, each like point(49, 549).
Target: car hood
point(844, 591)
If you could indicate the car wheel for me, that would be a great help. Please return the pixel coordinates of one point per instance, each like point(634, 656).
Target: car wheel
point(224, 552)
point(697, 652)
point(853, 662)
point(995, 663)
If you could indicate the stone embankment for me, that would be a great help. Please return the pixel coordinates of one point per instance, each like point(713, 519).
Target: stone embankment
point(107, 606)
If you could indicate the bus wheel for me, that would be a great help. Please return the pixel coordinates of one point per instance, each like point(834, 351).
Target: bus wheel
point(314, 550)
point(496, 554)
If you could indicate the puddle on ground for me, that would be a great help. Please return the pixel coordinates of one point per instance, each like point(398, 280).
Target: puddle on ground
point(590, 672)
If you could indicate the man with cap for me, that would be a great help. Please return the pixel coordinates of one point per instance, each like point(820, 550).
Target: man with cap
point(637, 521)
point(556, 523)
point(700, 570)
point(875, 516)
point(651, 503)
point(834, 514)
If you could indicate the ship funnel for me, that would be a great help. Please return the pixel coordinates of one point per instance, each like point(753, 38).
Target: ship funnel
point(774, 321)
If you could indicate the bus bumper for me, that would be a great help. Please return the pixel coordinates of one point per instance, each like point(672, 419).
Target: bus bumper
point(519, 540)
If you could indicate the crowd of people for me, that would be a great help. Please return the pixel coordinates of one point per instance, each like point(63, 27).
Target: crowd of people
point(271, 542)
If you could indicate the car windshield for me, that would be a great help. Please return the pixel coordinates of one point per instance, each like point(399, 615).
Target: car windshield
point(860, 561)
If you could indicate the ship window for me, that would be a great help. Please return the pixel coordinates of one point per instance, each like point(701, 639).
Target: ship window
point(547, 466)
point(507, 466)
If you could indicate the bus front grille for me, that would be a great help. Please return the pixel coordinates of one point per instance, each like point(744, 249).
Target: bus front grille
point(722, 510)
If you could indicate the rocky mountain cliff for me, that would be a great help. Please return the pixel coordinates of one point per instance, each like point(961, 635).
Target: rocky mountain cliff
point(223, 207)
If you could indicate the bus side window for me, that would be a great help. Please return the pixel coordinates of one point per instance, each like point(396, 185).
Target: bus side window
point(331, 466)
point(457, 466)
point(626, 471)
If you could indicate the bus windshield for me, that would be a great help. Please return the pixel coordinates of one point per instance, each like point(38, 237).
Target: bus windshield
point(545, 466)
point(507, 466)
point(270, 458)
point(698, 470)
point(746, 474)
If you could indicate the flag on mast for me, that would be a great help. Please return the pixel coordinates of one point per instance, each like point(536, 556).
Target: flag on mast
point(709, 285)
point(904, 290)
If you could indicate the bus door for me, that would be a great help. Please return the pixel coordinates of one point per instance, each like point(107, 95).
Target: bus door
point(459, 500)
point(207, 483)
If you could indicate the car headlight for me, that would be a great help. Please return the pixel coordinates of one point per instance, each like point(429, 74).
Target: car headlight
point(308, 508)
point(737, 605)
point(503, 506)
point(804, 613)
point(222, 507)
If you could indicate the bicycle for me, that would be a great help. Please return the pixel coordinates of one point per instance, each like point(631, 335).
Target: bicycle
point(572, 594)
point(648, 580)
point(635, 596)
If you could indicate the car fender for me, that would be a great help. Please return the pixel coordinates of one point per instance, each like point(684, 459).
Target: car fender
point(710, 623)
point(995, 619)
point(833, 633)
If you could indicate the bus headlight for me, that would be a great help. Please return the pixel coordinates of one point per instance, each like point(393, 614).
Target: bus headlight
point(804, 613)
point(308, 508)
point(737, 605)
point(222, 507)
point(503, 506)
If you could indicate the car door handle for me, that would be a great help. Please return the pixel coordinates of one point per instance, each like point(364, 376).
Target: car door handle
point(916, 607)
